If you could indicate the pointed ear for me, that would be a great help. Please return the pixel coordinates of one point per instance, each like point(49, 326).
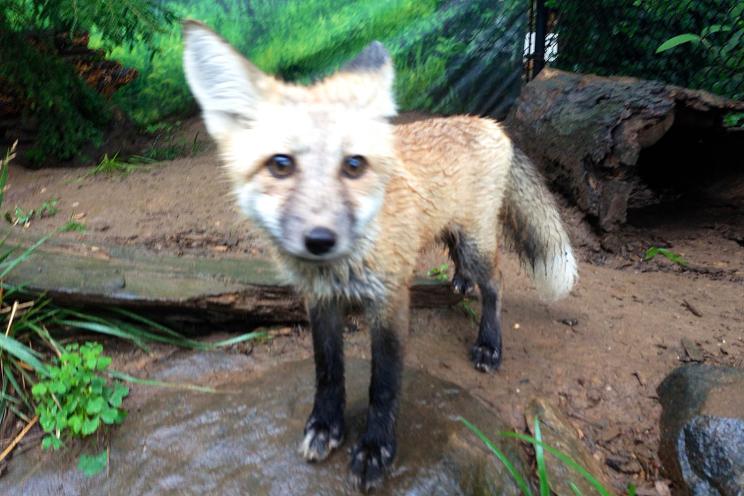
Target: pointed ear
point(226, 86)
point(376, 66)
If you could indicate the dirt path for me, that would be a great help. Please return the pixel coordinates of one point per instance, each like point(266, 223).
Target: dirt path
point(598, 355)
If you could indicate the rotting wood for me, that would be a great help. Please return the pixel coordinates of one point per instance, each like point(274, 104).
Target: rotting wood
point(587, 134)
point(183, 291)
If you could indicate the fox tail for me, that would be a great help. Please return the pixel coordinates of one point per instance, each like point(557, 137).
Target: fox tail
point(533, 226)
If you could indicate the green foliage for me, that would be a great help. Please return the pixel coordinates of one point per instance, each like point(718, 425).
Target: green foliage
point(440, 273)
point(678, 40)
point(450, 56)
point(542, 474)
point(49, 208)
point(112, 165)
point(91, 465)
point(77, 399)
point(73, 226)
point(69, 113)
point(724, 44)
point(24, 217)
point(617, 37)
point(666, 253)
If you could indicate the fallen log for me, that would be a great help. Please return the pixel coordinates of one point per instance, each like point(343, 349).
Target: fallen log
point(613, 144)
point(185, 292)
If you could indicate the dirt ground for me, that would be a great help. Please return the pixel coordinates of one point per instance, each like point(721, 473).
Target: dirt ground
point(598, 355)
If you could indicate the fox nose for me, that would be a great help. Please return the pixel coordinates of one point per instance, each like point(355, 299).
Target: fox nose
point(320, 240)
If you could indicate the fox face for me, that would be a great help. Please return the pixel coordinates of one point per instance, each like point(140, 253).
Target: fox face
point(309, 164)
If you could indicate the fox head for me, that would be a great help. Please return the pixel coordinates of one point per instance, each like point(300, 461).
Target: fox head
point(309, 164)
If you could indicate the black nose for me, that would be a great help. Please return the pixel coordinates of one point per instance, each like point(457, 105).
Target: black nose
point(320, 240)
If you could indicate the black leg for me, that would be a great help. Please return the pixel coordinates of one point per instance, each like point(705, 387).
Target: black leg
point(324, 430)
point(462, 280)
point(486, 353)
point(471, 264)
point(374, 451)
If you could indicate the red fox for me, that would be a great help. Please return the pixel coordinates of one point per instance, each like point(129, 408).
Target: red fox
point(348, 200)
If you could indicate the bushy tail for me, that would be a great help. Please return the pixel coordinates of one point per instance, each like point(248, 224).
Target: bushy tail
point(533, 226)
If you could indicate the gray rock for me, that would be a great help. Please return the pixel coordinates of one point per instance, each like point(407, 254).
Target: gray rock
point(244, 439)
point(702, 429)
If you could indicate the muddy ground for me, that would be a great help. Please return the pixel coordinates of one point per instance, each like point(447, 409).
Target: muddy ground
point(598, 355)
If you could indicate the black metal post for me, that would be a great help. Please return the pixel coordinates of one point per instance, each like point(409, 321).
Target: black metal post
point(541, 27)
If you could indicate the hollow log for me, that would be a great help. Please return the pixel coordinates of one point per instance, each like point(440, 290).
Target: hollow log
point(617, 143)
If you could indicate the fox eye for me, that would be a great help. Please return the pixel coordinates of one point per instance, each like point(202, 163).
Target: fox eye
point(354, 166)
point(281, 166)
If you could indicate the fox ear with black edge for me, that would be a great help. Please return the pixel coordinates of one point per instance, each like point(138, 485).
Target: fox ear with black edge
point(225, 84)
point(375, 63)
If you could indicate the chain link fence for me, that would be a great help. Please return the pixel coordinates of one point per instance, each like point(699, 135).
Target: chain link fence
point(621, 37)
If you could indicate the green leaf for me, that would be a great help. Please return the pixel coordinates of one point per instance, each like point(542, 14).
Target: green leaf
point(39, 389)
point(76, 423)
point(664, 252)
point(92, 465)
point(51, 442)
point(118, 394)
point(94, 406)
point(715, 28)
point(542, 472)
point(102, 363)
point(23, 353)
point(678, 40)
point(109, 415)
point(46, 420)
point(90, 426)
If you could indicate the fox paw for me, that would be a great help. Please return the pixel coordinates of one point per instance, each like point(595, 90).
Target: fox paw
point(485, 358)
point(462, 284)
point(370, 461)
point(320, 439)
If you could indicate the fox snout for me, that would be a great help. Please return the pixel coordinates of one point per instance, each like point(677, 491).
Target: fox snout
point(320, 240)
point(317, 237)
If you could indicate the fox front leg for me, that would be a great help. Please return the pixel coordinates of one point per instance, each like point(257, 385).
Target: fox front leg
point(374, 452)
point(324, 429)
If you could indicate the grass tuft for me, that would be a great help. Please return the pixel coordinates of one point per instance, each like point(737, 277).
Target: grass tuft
point(542, 473)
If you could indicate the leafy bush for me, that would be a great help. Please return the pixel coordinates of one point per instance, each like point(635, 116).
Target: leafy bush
point(450, 56)
point(69, 114)
point(76, 398)
point(618, 37)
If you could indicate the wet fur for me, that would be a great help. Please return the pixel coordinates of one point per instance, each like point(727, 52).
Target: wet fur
point(454, 180)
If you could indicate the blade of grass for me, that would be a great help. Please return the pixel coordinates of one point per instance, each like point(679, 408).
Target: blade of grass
point(7, 266)
point(542, 472)
point(21, 394)
point(144, 320)
point(152, 382)
point(24, 353)
point(518, 479)
point(104, 329)
point(575, 489)
point(239, 339)
point(127, 331)
point(565, 459)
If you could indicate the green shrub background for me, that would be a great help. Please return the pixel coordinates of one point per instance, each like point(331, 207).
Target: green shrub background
point(450, 57)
